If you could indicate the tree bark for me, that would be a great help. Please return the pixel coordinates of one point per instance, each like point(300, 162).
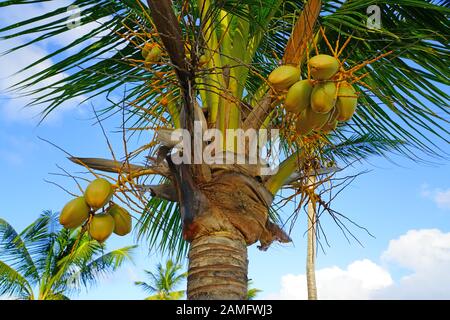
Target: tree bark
point(217, 267)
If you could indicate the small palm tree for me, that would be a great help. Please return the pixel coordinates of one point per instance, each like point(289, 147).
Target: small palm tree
point(163, 282)
point(252, 292)
point(46, 262)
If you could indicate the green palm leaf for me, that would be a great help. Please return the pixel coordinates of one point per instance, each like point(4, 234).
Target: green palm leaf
point(14, 252)
point(13, 283)
point(100, 267)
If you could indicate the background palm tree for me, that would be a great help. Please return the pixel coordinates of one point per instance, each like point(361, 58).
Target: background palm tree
point(163, 282)
point(44, 262)
point(252, 292)
point(205, 209)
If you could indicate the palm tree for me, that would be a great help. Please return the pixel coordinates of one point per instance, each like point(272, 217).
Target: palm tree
point(163, 282)
point(215, 58)
point(44, 262)
point(252, 292)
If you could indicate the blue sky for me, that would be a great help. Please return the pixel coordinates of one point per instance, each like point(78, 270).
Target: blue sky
point(405, 206)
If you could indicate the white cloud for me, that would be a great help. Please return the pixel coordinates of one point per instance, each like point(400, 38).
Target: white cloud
point(424, 253)
point(419, 250)
point(358, 281)
point(427, 254)
point(439, 196)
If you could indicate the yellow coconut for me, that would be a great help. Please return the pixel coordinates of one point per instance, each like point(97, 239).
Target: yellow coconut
point(146, 49)
point(98, 193)
point(203, 60)
point(284, 76)
point(122, 219)
point(310, 120)
point(153, 56)
point(346, 101)
point(323, 66)
point(101, 227)
point(323, 97)
point(298, 96)
point(74, 213)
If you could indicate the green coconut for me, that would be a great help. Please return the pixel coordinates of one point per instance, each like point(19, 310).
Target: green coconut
point(101, 227)
point(323, 97)
point(284, 76)
point(310, 120)
point(122, 219)
point(146, 49)
point(323, 66)
point(153, 56)
point(203, 60)
point(98, 193)
point(74, 213)
point(346, 101)
point(298, 96)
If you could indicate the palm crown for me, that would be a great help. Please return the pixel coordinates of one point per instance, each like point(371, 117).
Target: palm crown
point(163, 282)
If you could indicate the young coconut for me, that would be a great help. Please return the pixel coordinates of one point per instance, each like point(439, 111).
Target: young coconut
point(122, 219)
point(203, 60)
point(153, 56)
point(298, 96)
point(98, 193)
point(74, 213)
point(101, 227)
point(323, 97)
point(284, 76)
point(346, 101)
point(146, 49)
point(310, 120)
point(323, 66)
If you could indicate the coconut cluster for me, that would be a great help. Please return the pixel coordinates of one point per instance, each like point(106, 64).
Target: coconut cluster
point(83, 210)
point(320, 103)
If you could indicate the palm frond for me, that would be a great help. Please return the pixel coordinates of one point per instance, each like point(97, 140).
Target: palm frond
point(57, 296)
point(160, 226)
point(360, 147)
point(39, 238)
point(14, 252)
point(145, 286)
point(90, 273)
point(13, 283)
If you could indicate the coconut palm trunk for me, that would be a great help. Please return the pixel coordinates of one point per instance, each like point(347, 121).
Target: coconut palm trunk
point(218, 267)
point(311, 248)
